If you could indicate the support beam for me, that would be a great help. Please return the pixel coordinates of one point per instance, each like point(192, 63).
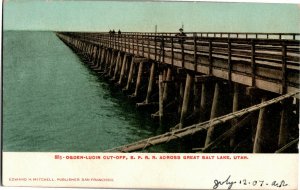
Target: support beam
point(166, 86)
point(193, 129)
point(117, 66)
point(112, 63)
point(203, 102)
point(235, 107)
point(107, 61)
point(230, 133)
point(139, 79)
point(284, 122)
point(186, 99)
point(96, 59)
point(102, 60)
point(130, 75)
point(151, 81)
point(122, 69)
point(161, 90)
point(258, 141)
point(213, 113)
point(180, 97)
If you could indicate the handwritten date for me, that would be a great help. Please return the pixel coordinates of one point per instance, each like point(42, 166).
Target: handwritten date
point(229, 183)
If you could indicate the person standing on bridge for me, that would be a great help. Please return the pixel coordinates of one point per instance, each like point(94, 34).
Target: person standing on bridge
point(181, 34)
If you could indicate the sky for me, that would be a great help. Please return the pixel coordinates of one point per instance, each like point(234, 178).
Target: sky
point(62, 15)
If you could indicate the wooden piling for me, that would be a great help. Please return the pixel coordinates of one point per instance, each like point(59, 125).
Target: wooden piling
point(94, 55)
point(91, 55)
point(235, 107)
point(258, 141)
point(166, 86)
point(297, 107)
point(161, 91)
point(197, 97)
point(180, 97)
point(117, 65)
point(122, 69)
point(89, 51)
point(139, 79)
point(213, 113)
point(130, 75)
point(86, 46)
point(95, 60)
point(186, 98)
point(107, 58)
point(102, 61)
point(111, 63)
point(284, 122)
point(203, 102)
point(151, 81)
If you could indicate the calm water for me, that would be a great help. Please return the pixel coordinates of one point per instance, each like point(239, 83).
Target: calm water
point(52, 102)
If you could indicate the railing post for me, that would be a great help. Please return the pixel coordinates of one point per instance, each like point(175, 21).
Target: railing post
point(155, 48)
point(182, 52)
point(210, 57)
point(160, 90)
point(195, 52)
point(253, 62)
point(143, 48)
point(229, 61)
point(118, 44)
point(172, 51)
point(109, 42)
point(163, 49)
point(115, 41)
point(131, 45)
point(129, 48)
point(137, 44)
point(124, 42)
point(148, 37)
point(132, 38)
point(284, 87)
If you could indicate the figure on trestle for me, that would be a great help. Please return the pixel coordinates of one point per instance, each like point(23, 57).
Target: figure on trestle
point(181, 34)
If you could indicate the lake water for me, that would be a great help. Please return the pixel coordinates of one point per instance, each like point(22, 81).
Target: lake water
point(53, 103)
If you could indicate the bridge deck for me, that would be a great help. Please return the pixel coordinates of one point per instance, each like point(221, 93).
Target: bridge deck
point(265, 61)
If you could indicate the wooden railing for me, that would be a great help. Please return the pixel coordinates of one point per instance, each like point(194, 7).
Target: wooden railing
point(265, 60)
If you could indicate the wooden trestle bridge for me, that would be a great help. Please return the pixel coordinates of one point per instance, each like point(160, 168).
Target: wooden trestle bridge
point(221, 83)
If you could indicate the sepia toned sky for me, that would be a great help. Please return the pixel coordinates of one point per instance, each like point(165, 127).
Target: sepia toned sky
point(63, 15)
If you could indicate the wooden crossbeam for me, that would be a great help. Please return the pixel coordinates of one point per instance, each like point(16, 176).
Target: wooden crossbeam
point(179, 133)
